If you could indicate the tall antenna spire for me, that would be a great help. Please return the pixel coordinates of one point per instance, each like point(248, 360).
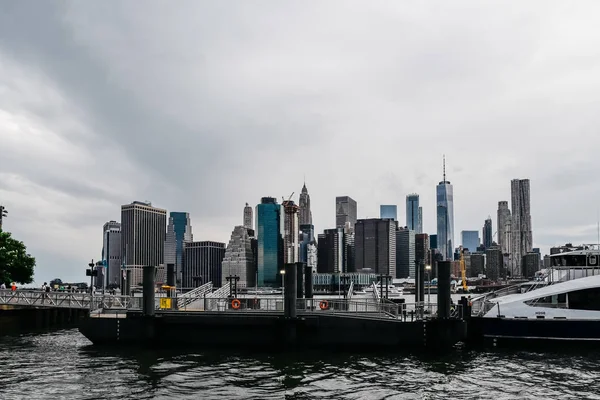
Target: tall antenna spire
point(444, 167)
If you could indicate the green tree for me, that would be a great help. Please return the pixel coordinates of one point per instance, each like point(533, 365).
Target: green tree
point(15, 264)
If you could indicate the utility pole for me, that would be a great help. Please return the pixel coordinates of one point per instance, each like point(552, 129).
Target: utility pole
point(3, 214)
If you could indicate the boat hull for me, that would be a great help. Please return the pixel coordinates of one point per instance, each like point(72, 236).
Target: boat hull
point(511, 332)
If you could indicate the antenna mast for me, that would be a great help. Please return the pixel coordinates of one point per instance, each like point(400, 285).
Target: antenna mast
point(444, 166)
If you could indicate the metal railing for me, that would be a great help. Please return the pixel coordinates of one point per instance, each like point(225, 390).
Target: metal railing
point(191, 296)
point(350, 290)
point(45, 299)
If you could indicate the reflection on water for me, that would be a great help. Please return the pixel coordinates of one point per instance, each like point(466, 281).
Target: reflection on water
point(63, 365)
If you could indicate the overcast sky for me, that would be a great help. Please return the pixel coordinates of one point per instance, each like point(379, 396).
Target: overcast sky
point(203, 106)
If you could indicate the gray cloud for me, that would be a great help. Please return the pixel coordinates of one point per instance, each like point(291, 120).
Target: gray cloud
point(206, 106)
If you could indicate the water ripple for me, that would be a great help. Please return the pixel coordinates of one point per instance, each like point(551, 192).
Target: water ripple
point(62, 365)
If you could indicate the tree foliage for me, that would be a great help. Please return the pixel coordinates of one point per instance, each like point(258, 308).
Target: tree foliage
point(15, 264)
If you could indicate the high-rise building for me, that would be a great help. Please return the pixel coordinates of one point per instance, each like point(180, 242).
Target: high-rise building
point(143, 231)
point(521, 237)
point(477, 264)
point(304, 214)
point(239, 258)
point(248, 217)
point(487, 233)
point(375, 246)
point(422, 251)
point(270, 242)
point(433, 245)
point(470, 240)
point(307, 236)
point(388, 211)
point(445, 217)
point(112, 253)
point(290, 232)
point(202, 263)
point(494, 263)
point(530, 264)
point(504, 227)
point(413, 220)
point(405, 253)
point(420, 225)
point(345, 212)
point(330, 248)
point(179, 231)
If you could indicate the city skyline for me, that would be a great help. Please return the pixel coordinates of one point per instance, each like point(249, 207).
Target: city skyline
point(223, 118)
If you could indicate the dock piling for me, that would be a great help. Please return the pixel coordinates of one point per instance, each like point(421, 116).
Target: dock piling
point(443, 296)
point(289, 300)
point(148, 290)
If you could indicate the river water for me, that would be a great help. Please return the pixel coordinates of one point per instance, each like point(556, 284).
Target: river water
point(63, 365)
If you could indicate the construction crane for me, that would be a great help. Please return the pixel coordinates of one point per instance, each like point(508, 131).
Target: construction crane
point(463, 271)
point(283, 200)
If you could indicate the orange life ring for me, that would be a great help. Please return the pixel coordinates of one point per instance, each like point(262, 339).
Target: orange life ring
point(324, 304)
point(236, 304)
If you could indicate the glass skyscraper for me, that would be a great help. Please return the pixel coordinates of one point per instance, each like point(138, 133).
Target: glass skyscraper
point(179, 231)
point(414, 213)
point(389, 212)
point(470, 240)
point(445, 218)
point(270, 241)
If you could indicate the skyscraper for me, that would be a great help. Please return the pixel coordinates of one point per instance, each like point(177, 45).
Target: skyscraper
point(413, 219)
point(345, 212)
point(422, 251)
point(307, 236)
point(143, 231)
point(239, 258)
point(521, 237)
point(504, 227)
point(419, 229)
point(270, 241)
point(375, 246)
point(470, 240)
point(405, 253)
point(203, 262)
point(487, 233)
point(388, 211)
point(290, 232)
point(445, 217)
point(248, 217)
point(179, 231)
point(305, 215)
point(112, 252)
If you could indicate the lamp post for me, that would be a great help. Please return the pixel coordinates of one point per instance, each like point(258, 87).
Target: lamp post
point(282, 272)
point(428, 269)
point(3, 214)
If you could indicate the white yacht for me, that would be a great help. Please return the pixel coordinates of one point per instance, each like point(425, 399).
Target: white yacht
point(563, 310)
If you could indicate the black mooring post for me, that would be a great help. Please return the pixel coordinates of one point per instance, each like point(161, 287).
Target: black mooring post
point(148, 290)
point(443, 290)
point(289, 300)
point(418, 279)
point(421, 266)
point(308, 282)
point(299, 280)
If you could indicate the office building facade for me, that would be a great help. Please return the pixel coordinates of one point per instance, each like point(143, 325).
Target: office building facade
point(179, 231)
point(248, 220)
point(388, 211)
point(112, 255)
point(375, 246)
point(487, 233)
point(238, 259)
point(203, 263)
point(521, 237)
point(143, 233)
point(470, 240)
point(345, 212)
point(414, 213)
point(269, 242)
point(405, 253)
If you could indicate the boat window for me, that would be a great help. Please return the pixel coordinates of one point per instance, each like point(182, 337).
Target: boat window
point(575, 260)
point(555, 301)
point(586, 299)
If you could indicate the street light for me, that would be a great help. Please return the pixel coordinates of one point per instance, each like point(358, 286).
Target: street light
point(3, 214)
point(282, 272)
point(428, 269)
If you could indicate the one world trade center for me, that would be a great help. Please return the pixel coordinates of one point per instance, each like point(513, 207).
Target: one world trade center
point(445, 217)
